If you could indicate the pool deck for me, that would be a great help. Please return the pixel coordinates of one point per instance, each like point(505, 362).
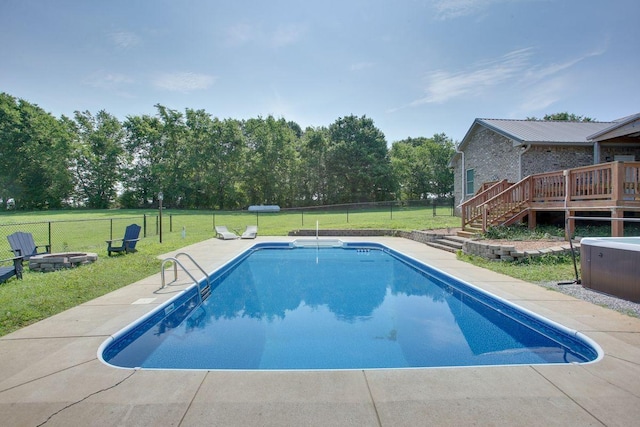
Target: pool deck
point(50, 373)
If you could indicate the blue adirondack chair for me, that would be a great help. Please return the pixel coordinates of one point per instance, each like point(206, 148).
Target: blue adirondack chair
point(8, 272)
point(22, 245)
point(128, 242)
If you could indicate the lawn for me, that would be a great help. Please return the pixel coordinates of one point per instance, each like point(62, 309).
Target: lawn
point(40, 295)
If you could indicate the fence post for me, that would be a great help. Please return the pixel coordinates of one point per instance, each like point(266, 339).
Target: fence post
point(302, 212)
point(347, 215)
point(435, 209)
point(110, 228)
point(213, 221)
point(170, 223)
point(391, 209)
point(50, 236)
point(144, 224)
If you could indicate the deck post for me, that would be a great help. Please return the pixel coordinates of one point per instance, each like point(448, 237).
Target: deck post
point(570, 224)
point(617, 178)
point(617, 225)
point(531, 219)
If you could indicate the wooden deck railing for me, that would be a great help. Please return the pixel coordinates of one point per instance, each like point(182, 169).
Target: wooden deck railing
point(612, 185)
point(471, 211)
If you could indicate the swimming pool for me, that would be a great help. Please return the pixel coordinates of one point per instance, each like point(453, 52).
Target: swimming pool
point(281, 306)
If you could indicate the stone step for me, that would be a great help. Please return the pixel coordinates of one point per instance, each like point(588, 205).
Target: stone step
point(437, 245)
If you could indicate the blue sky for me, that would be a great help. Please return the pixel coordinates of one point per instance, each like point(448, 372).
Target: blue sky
point(416, 67)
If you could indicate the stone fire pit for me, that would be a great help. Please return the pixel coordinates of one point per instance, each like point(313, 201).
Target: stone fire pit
point(57, 261)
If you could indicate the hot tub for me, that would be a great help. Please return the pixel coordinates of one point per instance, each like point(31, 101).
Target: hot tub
point(611, 265)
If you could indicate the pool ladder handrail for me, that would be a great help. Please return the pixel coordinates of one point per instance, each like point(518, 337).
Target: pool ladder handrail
point(204, 292)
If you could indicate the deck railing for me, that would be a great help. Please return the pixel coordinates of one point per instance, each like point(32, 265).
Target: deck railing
point(606, 185)
point(471, 210)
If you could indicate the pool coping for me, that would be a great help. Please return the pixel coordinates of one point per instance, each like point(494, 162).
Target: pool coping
point(50, 372)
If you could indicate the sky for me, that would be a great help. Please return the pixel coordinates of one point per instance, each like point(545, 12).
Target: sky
point(415, 67)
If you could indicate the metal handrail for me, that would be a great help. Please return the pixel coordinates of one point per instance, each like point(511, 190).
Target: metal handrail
point(176, 262)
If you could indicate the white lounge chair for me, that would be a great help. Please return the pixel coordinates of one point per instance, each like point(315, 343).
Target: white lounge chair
point(251, 232)
point(223, 233)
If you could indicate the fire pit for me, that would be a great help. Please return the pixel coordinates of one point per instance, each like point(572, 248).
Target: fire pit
point(57, 261)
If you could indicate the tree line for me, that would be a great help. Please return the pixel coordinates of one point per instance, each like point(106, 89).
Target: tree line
point(203, 162)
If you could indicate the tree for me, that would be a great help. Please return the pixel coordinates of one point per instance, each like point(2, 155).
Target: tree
point(564, 117)
point(35, 152)
point(358, 164)
point(421, 166)
point(271, 162)
point(215, 159)
point(312, 176)
point(99, 158)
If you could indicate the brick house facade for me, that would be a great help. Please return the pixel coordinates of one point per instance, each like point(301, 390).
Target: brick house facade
point(493, 150)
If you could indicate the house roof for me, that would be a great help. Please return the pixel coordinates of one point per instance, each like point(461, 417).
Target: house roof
point(626, 126)
point(542, 131)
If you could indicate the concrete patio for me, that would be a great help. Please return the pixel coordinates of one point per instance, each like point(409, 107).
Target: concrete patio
point(50, 374)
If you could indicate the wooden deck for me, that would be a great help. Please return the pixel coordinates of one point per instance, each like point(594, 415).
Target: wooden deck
point(612, 187)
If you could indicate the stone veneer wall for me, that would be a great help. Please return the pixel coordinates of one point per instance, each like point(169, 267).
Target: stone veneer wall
point(470, 247)
point(541, 159)
point(509, 253)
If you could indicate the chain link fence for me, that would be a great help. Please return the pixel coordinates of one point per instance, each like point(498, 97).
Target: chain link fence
point(90, 234)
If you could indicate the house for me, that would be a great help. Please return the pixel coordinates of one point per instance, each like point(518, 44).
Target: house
point(496, 149)
point(499, 150)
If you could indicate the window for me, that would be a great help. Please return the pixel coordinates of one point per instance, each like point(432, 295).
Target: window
point(469, 182)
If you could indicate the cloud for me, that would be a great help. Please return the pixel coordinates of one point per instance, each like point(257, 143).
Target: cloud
point(450, 9)
point(444, 85)
point(184, 81)
point(361, 66)
point(106, 80)
point(545, 94)
point(125, 39)
point(283, 35)
point(286, 35)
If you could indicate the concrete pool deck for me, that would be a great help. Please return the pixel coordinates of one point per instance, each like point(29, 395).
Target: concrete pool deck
point(50, 374)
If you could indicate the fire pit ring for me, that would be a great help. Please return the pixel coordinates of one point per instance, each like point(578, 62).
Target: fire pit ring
point(57, 261)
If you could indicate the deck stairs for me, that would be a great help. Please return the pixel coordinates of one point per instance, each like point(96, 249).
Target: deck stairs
point(448, 243)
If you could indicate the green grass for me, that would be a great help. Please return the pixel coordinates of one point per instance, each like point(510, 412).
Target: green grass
point(547, 268)
point(40, 295)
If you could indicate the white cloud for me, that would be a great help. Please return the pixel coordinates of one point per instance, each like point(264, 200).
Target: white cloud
point(283, 35)
point(107, 80)
point(287, 34)
point(449, 9)
point(444, 85)
point(184, 81)
point(544, 94)
point(125, 39)
point(240, 34)
point(361, 66)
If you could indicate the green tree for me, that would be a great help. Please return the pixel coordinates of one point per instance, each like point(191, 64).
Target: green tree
point(215, 158)
point(141, 180)
point(358, 164)
point(99, 158)
point(35, 152)
point(421, 167)
point(313, 175)
point(564, 117)
point(271, 162)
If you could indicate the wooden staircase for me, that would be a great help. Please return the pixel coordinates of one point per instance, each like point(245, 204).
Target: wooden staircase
point(613, 187)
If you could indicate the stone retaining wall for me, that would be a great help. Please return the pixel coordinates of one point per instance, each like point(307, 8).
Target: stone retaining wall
point(509, 253)
point(470, 247)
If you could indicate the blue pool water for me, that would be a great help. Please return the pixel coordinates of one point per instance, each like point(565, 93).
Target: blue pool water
point(361, 306)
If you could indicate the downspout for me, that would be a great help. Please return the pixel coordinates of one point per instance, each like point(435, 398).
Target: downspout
point(596, 152)
point(526, 148)
point(463, 183)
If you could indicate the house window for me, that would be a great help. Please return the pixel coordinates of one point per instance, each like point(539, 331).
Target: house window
point(469, 182)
